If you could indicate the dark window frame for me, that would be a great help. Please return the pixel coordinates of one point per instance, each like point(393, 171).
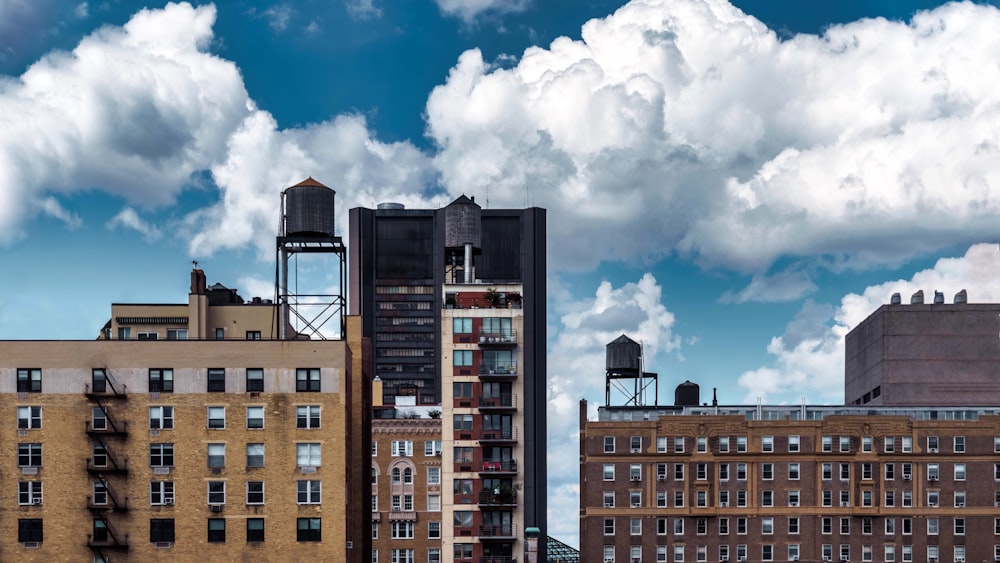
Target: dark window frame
point(307, 380)
point(161, 530)
point(309, 529)
point(159, 382)
point(216, 380)
point(29, 380)
point(29, 530)
point(255, 533)
point(216, 530)
point(255, 384)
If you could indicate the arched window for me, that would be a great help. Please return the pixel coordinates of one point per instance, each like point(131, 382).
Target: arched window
point(395, 475)
point(374, 476)
point(408, 476)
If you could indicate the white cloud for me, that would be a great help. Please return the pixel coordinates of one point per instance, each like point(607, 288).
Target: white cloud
point(789, 285)
point(278, 16)
point(576, 370)
point(686, 125)
point(128, 218)
point(363, 9)
point(50, 206)
point(469, 10)
point(82, 10)
point(809, 357)
point(133, 111)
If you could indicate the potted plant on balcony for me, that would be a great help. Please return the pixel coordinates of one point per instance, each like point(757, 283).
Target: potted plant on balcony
point(492, 297)
point(449, 302)
point(514, 300)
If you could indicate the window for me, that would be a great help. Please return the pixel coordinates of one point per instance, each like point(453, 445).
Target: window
point(890, 444)
point(932, 444)
point(679, 445)
point(161, 530)
point(434, 530)
point(635, 472)
point(702, 444)
point(890, 498)
point(433, 475)
point(29, 455)
point(701, 471)
point(432, 447)
point(845, 526)
point(793, 525)
point(827, 442)
point(100, 491)
point(307, 455)
point(635, 444)
point(433, 503)
point(255, 455)
point(890, 471)
point(845, 471)
point(723, 444)
point(216, 530)
point(959, 526)
point(723, 526)
point(827, 525)
point(767, 526)
point(29, 530)
point(741, 498)
point(741, 472)
point(959, 444)
point(960, 472)
point(309, 529)
point(679, 499)
point(161, 492)
point(404, 448)
point(255, 529)
point(866, 444)
point(462, 358)
point(29, 492)
point(890, 526)
point(959, 499)
point(767, 552)
point(434, 555)
point(932, 527)
point(462, 325)
point(933, 474)
point(767, 498)
point(635, 527)
point(99, 380)
point(907, 499)
point(29, 380)
point(793, 444)
point(161, 380)
point(741, 444)
point(827, 471)
point(308, 492)
point(767, 444)
point(255, 380)
point(402, 556)
point(793, 471)
point(255, 418)
point(216, 492)
point(741, 526)
point(793, 498)
point(216, 380)
point(845, 498)
point(723, 471)
point(216, 455)
point(147, 336)
point(161, 418)
point(217, 418)
point(767, 471)
point(609, 472)
point(29, 417)
point(308, 417)
point(402, 529)
point(307, 380)
point(464, 551)
point(827, 497)
point(907, 444)
point(866, 498)
point(678, 526)
point(253, 335)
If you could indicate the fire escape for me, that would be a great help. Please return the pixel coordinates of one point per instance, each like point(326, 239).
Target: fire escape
point(106, 467)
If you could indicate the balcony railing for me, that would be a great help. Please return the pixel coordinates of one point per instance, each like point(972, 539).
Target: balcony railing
point(497, 338)
point(498, 369)
point(498, 434)
point(498, 531)
point(505, 466)
point(503, 401)
point(502, 498)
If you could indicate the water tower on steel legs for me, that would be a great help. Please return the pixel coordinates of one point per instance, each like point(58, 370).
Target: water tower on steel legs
point(307, 227)
point(624, 377)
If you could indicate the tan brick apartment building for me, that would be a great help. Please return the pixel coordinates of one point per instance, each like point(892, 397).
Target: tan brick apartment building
point(185, 432)
point(778, 483)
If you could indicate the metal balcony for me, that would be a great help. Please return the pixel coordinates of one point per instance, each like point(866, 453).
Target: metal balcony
point(498, 532)
point(498, 370)
point(497, 435)
point(503, 498)
point(505, 401)
point(505, 466)
point(503, 339)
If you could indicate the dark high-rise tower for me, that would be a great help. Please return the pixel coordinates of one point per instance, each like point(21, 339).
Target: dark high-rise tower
point(453, 301)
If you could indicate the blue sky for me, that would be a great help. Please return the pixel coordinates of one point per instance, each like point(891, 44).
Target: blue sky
point(735, 185)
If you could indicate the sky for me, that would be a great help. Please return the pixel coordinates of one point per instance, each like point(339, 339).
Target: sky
point(734, 185)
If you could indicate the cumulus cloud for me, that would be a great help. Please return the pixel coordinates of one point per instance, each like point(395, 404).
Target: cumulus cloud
point(363, 9)
point(469, 10)
point(576, 370)
point(689, 126)
point(278, 16)
point(789, 285)
point(136, 111)
point(809, 356)
point(128, 218)
point(50, 206)
point(82, 10)
point(133, 111)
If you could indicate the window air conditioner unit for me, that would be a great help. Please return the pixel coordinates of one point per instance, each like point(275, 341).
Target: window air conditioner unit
point(844, 558)
point(724, 504)
point(932, 478)
point(826, 558)
point(31, 544)
point(793, 503)
point(661, 477)
point(724, 558)
point(609, 505)
point(162, 545)
point(636, 450)
point(636, 505)
point(168, 500)
point(742, 558)
point(36, 501)
point(635, 478)
point(932, 504)
point(959, 560)
point(932, 450)
point(844, 504)
point(609, 560)
point(960, 505)
point(795, 558)
point(216, 507)
point(906, 476)
point(932, 559)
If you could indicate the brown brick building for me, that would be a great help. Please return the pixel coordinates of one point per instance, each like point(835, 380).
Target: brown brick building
point(406, 490)
point(778, 483)
point(186, 432)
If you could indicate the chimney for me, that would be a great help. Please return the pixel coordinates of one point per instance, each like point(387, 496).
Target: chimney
point(198, 284)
